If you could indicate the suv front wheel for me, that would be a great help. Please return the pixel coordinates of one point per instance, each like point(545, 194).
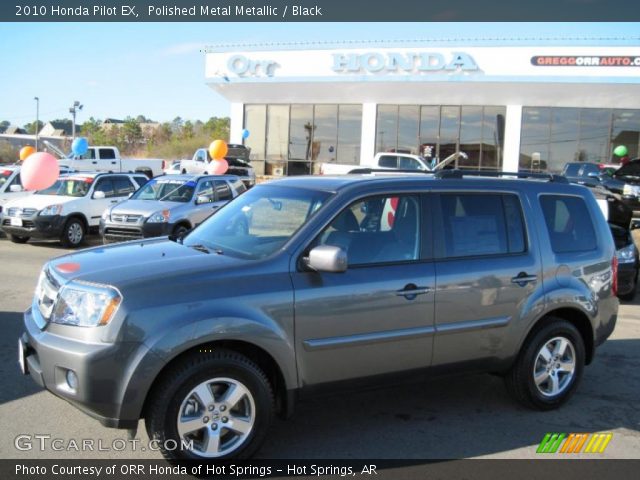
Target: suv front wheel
point(214, 405)
point(549, 367)
point(72, 233)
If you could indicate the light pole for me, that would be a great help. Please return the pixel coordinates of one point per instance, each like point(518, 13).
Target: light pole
point(73, 110)
point(37, 119)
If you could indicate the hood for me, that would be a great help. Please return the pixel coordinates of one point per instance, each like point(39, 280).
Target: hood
point(140, 262)
point(40, 201)
point(145, 207)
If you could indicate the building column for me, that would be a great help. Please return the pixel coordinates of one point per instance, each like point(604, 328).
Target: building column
point(368, 135)
point(237, 122)
point(512, 129)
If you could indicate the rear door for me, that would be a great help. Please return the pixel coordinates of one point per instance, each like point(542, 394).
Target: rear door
point(377, 317)
point(487, 271)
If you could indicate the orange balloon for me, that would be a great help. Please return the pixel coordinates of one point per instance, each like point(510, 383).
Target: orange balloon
point(26, 151)
point(218, 149)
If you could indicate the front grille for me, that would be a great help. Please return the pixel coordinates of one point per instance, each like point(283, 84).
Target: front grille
point(21, 212)
point(124, 218)
point(122, 232)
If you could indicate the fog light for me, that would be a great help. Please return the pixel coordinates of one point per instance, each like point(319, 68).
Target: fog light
point(72, 379)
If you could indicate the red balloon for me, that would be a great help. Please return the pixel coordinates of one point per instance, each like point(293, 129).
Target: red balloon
point(39, 171)
point(219, 167)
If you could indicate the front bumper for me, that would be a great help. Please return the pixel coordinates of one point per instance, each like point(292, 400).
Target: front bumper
point(36, 226)
point(120, 232)
point(105, 372)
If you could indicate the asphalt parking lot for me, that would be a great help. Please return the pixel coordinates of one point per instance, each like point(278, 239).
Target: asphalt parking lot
point(460, 417)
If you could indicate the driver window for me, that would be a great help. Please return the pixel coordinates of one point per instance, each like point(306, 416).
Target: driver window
point(201, 156)
point(105, 185)
point(205, 189)
point(377, 230)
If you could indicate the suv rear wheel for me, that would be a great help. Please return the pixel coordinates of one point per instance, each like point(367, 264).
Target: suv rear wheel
point(549, 367)
point(220, 404)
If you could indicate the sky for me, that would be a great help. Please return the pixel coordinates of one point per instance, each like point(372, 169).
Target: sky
point(157, 69)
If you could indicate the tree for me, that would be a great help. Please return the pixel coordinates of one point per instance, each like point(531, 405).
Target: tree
point(131, 133)
point(31, 127)
point(187, 130)
point(4, 124)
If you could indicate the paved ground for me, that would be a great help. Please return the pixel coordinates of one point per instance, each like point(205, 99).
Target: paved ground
point(448, 418)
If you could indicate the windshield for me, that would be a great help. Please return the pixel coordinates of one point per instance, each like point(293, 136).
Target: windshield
point(258, 222)
point(166, 190)
point(4, 176)
point(68, 187)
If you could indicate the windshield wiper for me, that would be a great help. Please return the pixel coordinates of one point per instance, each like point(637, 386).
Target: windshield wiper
point(200, 248)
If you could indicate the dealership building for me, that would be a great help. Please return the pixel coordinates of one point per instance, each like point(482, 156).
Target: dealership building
point(508, 104)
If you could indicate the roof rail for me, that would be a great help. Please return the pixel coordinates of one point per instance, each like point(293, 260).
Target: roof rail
point(367, 170)
point(484, 173)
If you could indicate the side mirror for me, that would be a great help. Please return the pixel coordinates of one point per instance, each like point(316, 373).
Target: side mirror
point(15, 188)
point(327, 258)
point(99, 195)
point(202, 199)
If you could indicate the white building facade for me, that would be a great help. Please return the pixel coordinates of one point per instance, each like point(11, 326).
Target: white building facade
point(507, 107)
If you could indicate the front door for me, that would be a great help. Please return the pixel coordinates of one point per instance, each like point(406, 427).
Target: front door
point(377, 317)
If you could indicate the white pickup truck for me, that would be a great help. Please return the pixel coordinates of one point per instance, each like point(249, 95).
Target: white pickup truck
point(108, 159)
point(237, 158)
point(390, 161)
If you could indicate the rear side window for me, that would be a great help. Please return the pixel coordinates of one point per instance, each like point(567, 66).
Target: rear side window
point(123, 186)
point(481, 224)
point(388, 161)
point(223, 191)
point(107, 154)
point(569, 224)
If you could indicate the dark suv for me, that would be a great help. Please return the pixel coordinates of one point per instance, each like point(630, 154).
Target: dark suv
point(335, 279)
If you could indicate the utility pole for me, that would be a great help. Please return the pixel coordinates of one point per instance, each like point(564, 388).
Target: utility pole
point(73, 110)
point(37, 119)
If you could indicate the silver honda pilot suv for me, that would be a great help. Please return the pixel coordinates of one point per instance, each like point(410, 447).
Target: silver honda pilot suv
point(209, 335)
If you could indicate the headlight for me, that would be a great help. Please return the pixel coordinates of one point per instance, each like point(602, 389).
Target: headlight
point(86, 305)
point(626, 254)
point(51, 210)
point(159, 217)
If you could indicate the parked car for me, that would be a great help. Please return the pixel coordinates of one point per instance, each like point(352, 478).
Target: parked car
point(69, 209)
point(625, 181)
point(237, 158)
point(335, 279)
point(392, 161)
point(618, 216)
point(168, 206)
point(10, 186)
point(583, 173)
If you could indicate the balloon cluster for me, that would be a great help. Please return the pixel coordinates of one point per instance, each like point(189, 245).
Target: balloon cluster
point(218, 150)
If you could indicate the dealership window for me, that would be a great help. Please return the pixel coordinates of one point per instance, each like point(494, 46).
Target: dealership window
point(436, 132)
point(255, 118)
point(295, 139)
point(551, 137)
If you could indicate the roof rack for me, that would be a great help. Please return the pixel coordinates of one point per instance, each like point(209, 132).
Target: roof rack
point(456, 173)
point(552, 177)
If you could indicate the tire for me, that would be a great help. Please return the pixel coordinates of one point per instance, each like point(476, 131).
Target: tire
point(627, 297)
point(174, 397)
point(547, 394)
point(73, 233)
point(180, 230)
point(18, 239)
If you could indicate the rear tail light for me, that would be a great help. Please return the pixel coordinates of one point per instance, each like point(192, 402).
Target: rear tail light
point(614, 272)
point(164, 164)
point(601, 166)
point(321, 171)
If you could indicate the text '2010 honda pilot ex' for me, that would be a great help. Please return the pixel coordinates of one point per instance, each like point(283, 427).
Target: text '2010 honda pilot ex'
point(209, 335)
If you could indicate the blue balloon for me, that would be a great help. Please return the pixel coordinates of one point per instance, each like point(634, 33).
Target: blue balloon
point(80, 146)
point(245, 133)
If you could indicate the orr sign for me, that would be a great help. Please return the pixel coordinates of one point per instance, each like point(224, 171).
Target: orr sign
point(403, 62)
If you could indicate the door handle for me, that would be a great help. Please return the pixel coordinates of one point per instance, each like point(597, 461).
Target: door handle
point(411, 291)
point(523, 278)
point(94, 162)
point(113, 163)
